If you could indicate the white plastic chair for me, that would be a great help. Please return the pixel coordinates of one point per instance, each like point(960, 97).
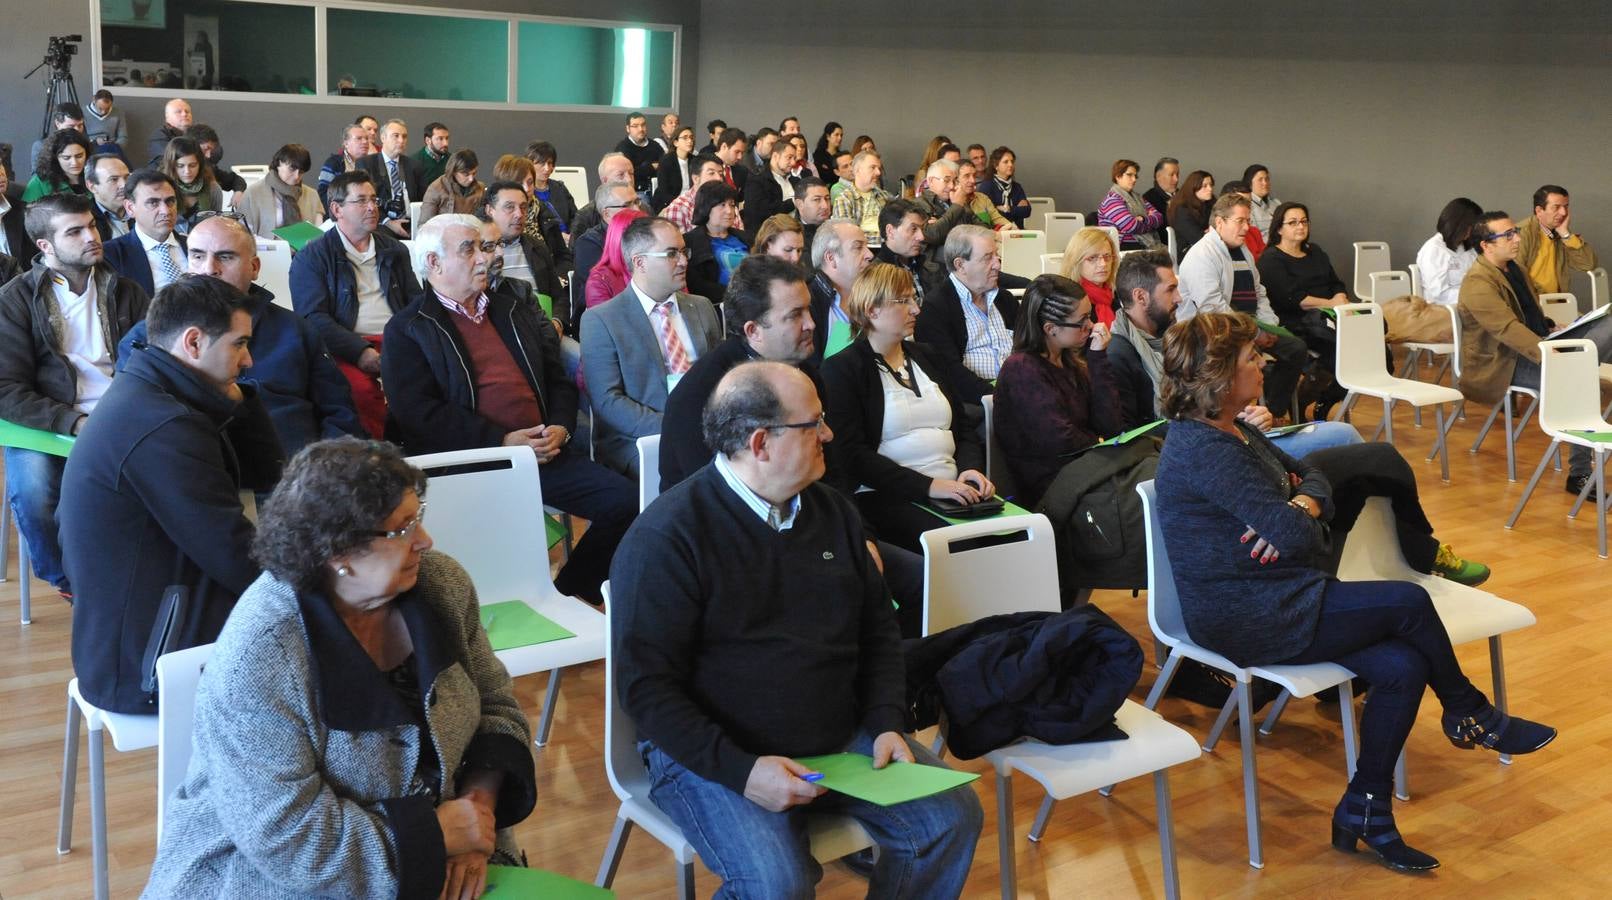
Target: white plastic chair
point(1039, 207)
point(1599, 294)
point(1021, 252)
point(1370, 256)
point(251, 174)
point(274, 272)
point(964, 585)
point(1169, 240)
point(487, 513)
point(1560, 308)
point(1051, 263)
point(1113, 235)
point(1415, 273)
point(1060, 227)
point(648, 470)
point(1164, 615)
point(832, 836)
point(178, 674)
point(1361, 370)
point(129, 732)
point(414, 212)
point(1514, 425)
point(1389, 285)
point(408, 244)
point(1570, 400)
point(575, 179)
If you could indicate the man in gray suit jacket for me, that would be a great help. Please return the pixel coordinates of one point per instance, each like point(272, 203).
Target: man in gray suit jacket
point(642, 341)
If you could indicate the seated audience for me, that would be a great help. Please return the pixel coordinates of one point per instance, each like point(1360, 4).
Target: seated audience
point(1502, 325)
point(60, 322)
point(781, 237)
point(354, 146)
point(348, 283)
point(716, 243)
point(839, 254)
point(151, 254)
point(433, 155)
point(672, 175)
point(1189, 208)
point(642, 152)
point(610, 198)
point(812, 206)
point(844, 174)
point(1262, 203)
point(612, 167)
point(669, 125)
point(636, 346)
point(902, 434)
point(1091, 258)
point(767, 192)
point(967, 194)
point(63, 116)
point(306, 396)
point(828, 148)
point(541, 225)
point(730, 672)
point(107, 177)
point(1004, 193)
point(714, 130)
point(60, 169)
point(970, 318)
point(151, 493)
point(281, 198)
point(396, 175)
point(193, 178)
point(610, 275)
point(1445, 258)
point(937, 200)
point(902, 224)
point(469, 369)
point(551, 192)
point(680, 211)
point(1549, 247)
point(731, 150)
point(1219, 276)
point(981, 162)
point(1300, 281)
point(756, 162)
point(524, 259)
point(176, 117)
point(1053, 397)
point(14, 240)
point(213, 157)
point(1166, 178)
point(1254, 241)
point(104, 124)
point(932, 152)
point(862, 200)
point(1278, 603)
point(1122, 209)
point(456, 190)
point(423, 763)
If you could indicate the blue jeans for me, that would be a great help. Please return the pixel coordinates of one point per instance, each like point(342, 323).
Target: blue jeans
point(926, 846)
point(1388, 633)
point(1317, 436)
point(33, 488)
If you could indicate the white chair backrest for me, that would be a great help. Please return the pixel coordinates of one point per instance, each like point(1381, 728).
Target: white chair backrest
point(1415, 272)
point(486, 511)
point(989, 403)
point(1370, 256)
point(1060, 227)
point(1021, 251)
point(965, 584)
point(1051, 263)
point(1388, 285)
point(575, 179)
point(178, 673)
point(408, 244)
point(1163, 602)
point(1599, 295)
point(1560, 308)
point(1039, 207)
point(1360, 344)
point(1569, 381)
point(1455, 338)
point(649, 469)
point(414, 211)
point(229, 199)
point(274, 272)
point(1169, 239)
point(1113, 235)
point(623, 765)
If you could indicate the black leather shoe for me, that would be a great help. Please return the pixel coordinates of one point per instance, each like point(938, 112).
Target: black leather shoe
point(1575, 483)
point(1492, 729)
point(1370, 818)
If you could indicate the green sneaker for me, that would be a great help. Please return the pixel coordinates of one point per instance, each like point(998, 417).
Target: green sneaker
point(1461, 571)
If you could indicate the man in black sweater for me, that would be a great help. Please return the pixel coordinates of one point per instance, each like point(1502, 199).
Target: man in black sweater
point(750, 628)
point(642, 152)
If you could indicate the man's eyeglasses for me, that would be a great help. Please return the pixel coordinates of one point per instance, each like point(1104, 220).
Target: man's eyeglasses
point(1502, 235)
point(220, 214)
point(407, 530)
point(817, 424)
point(362, 201)
point(634, 203)
point(668, 253)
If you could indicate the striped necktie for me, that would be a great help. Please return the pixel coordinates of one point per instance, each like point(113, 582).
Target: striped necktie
point(677, 361)
point(166, 271)
point(396, 179)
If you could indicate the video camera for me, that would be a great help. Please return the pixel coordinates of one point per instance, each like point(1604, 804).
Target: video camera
point(60, 51)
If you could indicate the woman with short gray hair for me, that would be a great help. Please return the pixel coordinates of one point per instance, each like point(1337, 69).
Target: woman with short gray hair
point(354, 733)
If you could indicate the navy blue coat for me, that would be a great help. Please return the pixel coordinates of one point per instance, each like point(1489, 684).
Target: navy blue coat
point(127, 256)
point(324, 289)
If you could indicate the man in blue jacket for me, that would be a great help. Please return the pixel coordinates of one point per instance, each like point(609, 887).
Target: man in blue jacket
point(305, 394)
point(151, 495)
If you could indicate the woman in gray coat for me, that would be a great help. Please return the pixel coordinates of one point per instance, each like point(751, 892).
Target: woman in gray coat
point(354, 735)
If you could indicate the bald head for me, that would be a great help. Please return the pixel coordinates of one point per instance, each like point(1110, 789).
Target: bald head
point(224, 249)
point(177, 114)
point(765, 418)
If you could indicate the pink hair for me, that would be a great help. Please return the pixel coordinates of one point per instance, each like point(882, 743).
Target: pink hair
point(611, 273)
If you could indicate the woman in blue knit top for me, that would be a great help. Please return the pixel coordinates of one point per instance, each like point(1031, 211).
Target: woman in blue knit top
point(1245, 527)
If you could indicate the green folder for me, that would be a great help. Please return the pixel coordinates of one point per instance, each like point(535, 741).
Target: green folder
point(547, 302)
point(516, 883)
point(513, 624)
point(1127, 436)
point(839, 336)
point(1277, 330)
point(1009, 508)
point(25, 438)
point(1289, 429)
point(298, 234)
point(554, 530)
point(1599, 437)
point(853, 774)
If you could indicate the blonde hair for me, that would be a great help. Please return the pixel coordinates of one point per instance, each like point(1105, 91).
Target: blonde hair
point(514, 168)
point(1084, 243)
point(782, 223)
point(877, 285)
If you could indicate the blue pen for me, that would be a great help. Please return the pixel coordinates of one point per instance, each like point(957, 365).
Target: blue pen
point(813, 777)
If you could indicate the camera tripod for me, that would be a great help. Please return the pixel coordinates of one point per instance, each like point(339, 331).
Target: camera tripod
point(59, 88)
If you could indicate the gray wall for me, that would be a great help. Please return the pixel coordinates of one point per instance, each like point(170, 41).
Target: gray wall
point(1373, 113)
point(251, 131)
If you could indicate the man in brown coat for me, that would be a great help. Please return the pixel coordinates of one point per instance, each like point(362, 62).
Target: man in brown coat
point(1502, 325)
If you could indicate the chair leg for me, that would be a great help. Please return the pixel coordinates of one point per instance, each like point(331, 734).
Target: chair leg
point(1401, 779)
point(1221, 720)
point(1351, 742)
point(1511, 442)
point(1440, 442)
point(612, 855)
point(64, 824)
point(25, 580)
point(1172, 663)
point(1532, 482)
point(1004, 835)
point(551, 698)
point(1161, 796)
point(1388, 418)
point(1497, 669)
point(1045, 813)
point(103, 888)
point(1245, 726)
point(1583, 494)
point(1600, 500)
point(1484, 431)
point(685, 880)
point(1347, 404)
point(1275, 715)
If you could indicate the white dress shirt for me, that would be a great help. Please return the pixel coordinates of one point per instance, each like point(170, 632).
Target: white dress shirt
point(1443, 270)
point(678, 324)
point(151, 244)
point(989, 339)
point(778, 518)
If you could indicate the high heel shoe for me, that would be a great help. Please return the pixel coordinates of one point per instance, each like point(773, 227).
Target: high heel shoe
point(1494, 730)
point(1370, 818)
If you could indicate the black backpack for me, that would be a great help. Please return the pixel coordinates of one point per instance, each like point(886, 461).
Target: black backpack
point(1098, 518)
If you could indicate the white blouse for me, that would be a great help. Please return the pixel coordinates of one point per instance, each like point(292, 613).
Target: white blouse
point(1443, 270)
point(918, 427)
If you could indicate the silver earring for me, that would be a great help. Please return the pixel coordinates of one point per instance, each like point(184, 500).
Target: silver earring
point(343, 571)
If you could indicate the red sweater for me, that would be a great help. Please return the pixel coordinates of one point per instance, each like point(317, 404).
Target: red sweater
point(503, 396)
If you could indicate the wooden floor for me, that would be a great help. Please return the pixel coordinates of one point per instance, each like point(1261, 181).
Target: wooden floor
point(1537, 828)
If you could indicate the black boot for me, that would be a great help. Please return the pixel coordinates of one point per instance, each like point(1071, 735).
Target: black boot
point(1370, 818)
point(1492, 729)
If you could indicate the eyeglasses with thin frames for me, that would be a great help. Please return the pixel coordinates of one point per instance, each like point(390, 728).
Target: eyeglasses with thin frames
point(817, 424)
point(407, 530)
point(668, 253)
